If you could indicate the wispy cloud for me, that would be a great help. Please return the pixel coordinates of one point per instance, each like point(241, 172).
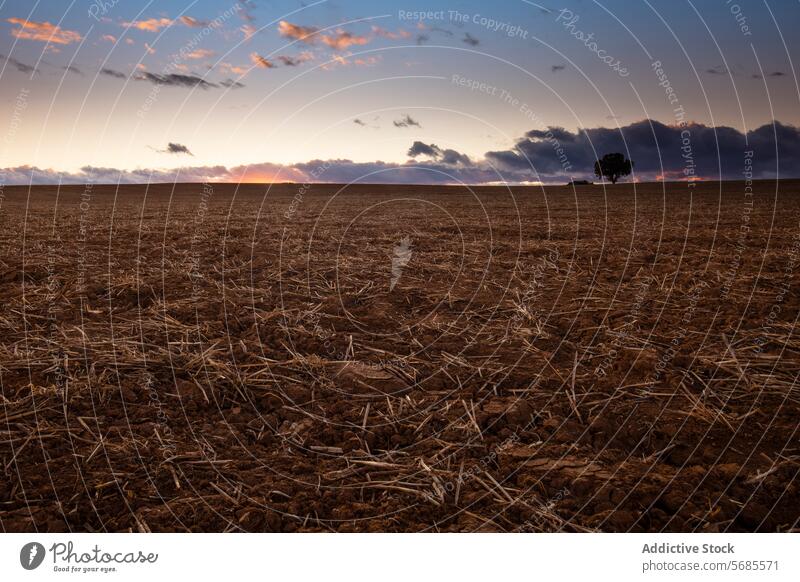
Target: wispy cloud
point(248, 30)
point(338, 40)
point(341, 39)
point(149, 25)
point(113, 73)
point(198, 54)
point(176, 148)
point(174, 80)
point(43, 32)
point(470, 40)
point(261, 62)
point(445, 156)
point(399, 35)
point(20, 66)
point(718, 70)
point(295, 31)
point(230, 68)
point(74, 70)
point(193, 22)
point(772, 74)
point(406, 121)
point(293, 61)
point(231, 84)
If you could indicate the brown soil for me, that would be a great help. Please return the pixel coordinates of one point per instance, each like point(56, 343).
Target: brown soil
point(548, 360)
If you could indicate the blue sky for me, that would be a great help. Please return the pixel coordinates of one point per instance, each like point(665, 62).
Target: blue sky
point(273, 85)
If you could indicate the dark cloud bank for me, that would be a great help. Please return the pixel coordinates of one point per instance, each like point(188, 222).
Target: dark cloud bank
point(554, 155)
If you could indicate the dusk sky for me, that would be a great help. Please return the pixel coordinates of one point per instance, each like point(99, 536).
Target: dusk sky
point(413, 91)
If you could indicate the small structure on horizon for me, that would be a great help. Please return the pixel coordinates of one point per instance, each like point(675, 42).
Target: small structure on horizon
point(580, 183)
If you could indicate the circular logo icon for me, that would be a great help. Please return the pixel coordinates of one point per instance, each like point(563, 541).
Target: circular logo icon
point(31, 555)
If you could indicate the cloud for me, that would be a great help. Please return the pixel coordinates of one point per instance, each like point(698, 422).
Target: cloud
point(557, 68)
point(20, 66)
point(193, 22)
point(357, 121)
point(399, 35)
point(658, 150)
point(245, 13)
point(406, 121)
point(470, 40)
point(342, 39)
point(113, 73)
point(290, 61)
point(231, 84)
point(174, 80)
point(109, 38)
point(330, 171)
point(446, 156)
point(423, 26)
point(717, 152)
point(200, 54)
point(261, 62)
point(156, 24)
point(422, 38)
point(337, 40)
point(295, 31)
point(772, 74)
point(73, 69)
point(718, 70)
point(43, 31)
point(149, 25)
point(248, 30)
point(176, 148)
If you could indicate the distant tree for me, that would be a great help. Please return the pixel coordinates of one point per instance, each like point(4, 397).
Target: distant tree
point(613, 167)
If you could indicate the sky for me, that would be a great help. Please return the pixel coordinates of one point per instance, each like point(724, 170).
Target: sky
point(395, 91)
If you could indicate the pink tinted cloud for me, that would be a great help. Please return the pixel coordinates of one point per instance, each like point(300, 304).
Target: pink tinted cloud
point(43, 32)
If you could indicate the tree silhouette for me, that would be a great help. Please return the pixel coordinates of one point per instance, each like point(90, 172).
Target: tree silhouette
point(613, 167)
